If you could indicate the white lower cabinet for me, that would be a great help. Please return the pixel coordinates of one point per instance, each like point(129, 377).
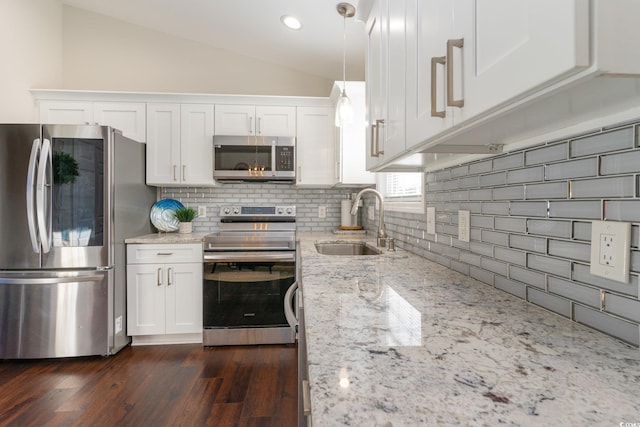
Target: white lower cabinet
point(164, 293)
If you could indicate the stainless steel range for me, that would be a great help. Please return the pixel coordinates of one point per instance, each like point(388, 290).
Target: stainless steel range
point(249, 270)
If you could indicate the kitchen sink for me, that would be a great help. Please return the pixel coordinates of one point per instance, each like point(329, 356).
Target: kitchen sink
point(346, 248)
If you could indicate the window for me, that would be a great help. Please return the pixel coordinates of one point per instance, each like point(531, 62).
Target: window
point(402, 191)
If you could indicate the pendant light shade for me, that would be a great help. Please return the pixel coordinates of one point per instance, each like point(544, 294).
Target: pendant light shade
point(344, 110)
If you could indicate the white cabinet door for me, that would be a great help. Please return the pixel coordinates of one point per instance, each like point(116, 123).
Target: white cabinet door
point(315, 147)
point(393, 132)
point(518, 47)
point(184, 298)
point(351, 142)
point(255, 120)
point(235, 119)
point(129, 117)
point(163, 144)
point(196, 144)
point(146, 299)
point(376, 76)
point(275, 121)
point(66, 112)
point(429, 24)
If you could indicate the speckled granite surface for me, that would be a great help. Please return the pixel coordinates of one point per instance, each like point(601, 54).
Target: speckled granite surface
point(396, 340)
point(158, 238)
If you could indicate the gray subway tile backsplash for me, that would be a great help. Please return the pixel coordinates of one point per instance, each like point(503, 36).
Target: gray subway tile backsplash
point(570, 250)
point(549, 228)
point(529, 277)
point(622, 210)
point(521, 176)
point(544, 264)
point(552, 190)
point(535, 209)
point(591, 209)
point(627, 331)
point(547, 154)
point(571, 170)
point(603, 143)
point(622, 186)
point(559, 305)
point(626, 162)
point(574, 291)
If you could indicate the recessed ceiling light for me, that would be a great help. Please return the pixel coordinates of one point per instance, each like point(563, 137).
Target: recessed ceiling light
point(291, 22)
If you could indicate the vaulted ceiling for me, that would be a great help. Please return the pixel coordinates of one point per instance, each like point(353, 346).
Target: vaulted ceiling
point(253, 28)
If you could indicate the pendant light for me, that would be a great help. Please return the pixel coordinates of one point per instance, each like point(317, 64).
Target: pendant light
point(344, 110)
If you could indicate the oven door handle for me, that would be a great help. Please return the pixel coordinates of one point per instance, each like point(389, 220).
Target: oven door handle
point(211, 248)
point(292, 320)
point(256, 256)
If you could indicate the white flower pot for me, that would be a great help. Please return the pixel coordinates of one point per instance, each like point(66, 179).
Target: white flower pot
point(185, 228)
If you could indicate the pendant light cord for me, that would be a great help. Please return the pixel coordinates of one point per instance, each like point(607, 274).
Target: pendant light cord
point(344, 53)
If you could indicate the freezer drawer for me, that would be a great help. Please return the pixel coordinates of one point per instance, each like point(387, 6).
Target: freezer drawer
point(54, 314)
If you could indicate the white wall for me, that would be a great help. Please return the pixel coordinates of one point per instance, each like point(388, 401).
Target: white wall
point(31, 52)
point(102, 53)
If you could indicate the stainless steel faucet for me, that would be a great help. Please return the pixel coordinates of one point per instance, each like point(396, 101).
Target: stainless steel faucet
point(382, 233)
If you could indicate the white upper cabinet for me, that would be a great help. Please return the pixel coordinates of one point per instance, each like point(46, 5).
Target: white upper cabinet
point(351, 140)
point(467, 58)
point(180, 144)
point(484, 73)
point(315, 146)
point(66, 112)
point(386, 78)
point(512, 48)
point(128, 117)
point(255, 120)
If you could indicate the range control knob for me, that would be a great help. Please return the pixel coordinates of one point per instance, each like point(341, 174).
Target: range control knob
point(227, 211)
point(280, 211)
point(289, 211)
point(236, 211)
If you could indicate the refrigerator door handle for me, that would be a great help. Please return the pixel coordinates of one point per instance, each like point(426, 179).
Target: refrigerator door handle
point(43, 185)
point(31, 178)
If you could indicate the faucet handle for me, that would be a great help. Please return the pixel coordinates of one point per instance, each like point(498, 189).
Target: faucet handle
point(392, 244)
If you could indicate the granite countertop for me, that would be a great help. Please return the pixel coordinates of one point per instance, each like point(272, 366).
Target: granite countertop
point(396, 340)
point(167, 238)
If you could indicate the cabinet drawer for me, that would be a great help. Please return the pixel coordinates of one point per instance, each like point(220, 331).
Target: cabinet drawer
point(143, 254)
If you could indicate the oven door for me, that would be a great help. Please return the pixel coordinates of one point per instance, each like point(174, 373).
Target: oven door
point(246, 289)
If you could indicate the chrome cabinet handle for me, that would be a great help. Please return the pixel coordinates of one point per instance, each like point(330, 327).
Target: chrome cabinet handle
point(442, 60)
point(170, 276)
point(174, 173)
point(250, 125)
point(184, 172)
point(164, 253)
point(379, 124)
point(159, 276)
point(306, 401)
point(374, 127)
point(259, 127)
point(459, 43)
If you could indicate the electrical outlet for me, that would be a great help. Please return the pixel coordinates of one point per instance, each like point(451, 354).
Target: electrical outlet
point(322, 211)
point(464, 225)
point(610, 250)
point(431, 220)
point(202, 211)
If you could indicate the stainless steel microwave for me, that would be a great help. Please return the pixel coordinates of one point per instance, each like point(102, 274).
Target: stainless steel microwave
point(254, 158)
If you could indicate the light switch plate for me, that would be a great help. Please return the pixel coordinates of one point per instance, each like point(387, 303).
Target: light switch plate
point(431, 220)
point(202, 211)
point(610, 250)
point(322, 211)
point(464, 225)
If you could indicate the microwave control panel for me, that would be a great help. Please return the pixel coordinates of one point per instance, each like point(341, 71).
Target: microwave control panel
point(285, 159)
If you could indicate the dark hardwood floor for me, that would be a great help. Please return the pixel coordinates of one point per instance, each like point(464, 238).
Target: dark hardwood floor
point(172, 385)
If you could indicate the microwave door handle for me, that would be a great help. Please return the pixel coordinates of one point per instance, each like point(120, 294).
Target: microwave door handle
point(43, 187)
point(31, 185)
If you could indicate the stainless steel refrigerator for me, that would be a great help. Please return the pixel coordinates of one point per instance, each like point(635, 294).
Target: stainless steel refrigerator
point(69, 196)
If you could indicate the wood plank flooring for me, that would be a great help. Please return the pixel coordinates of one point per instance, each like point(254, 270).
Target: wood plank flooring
point(172, 385)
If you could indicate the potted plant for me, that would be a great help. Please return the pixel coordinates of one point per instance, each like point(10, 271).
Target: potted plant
point(185, 216)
